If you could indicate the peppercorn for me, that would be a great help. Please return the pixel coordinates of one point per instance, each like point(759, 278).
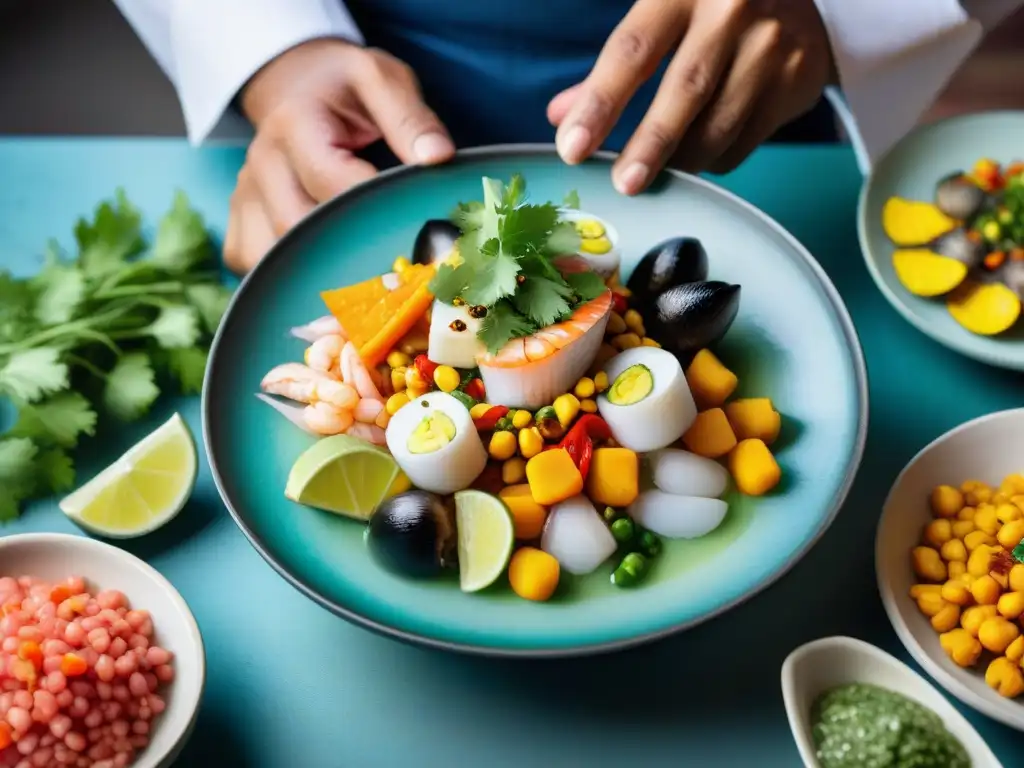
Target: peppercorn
point(457, 325)
point(478, 311)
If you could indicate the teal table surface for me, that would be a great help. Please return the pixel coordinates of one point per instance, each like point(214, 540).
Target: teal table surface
point(292, 686)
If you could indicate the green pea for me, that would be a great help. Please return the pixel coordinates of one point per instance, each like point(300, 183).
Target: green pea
point(611, 514)
point(622, 529)
point(631, 570)
point(649, 544)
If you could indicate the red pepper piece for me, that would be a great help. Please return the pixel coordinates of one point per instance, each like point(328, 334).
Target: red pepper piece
point(579, 442)
point(489, 481)
point(619, 304)
point(426, 368)
point(475, 389)
point(489, 420)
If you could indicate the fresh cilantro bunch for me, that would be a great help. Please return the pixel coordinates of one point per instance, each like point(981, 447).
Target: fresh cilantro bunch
point(505, 263)
point(97, 333)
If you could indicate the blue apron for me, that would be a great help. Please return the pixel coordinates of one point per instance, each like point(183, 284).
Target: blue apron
point(489, 68)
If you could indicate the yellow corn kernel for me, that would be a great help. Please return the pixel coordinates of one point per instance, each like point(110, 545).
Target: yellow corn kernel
point(601, 381)
point(584, 388)
point(1015, 650)
point(1010, 534)
point(399, 359)
point(567, 407)
point(1005, 677)
point(937, 533)
point(985, 590)
point(957, 569)
point(966, 513)
point(970, 485)
point(979, 495)
point(972, 618)
point(1011, 605)
point(1000, 579)
point(961, 528)
point(1018, 500)
point(413, 378)
point(626, 341)
point(1015, 579)
point(587, 405)
point(398, 379)
point(1014, 482)
point(956, 592)
point(1007, 513)
point(395, 402)
point(1001, 497)
point(522, 419)
point(930, 604)
point(947, 501)
point(530, 442)
point(616, 325)
point(447, 378)
point(978, 539)
point(927, 564)
point(634, 322)
point(400, 265)
point(647, 341)
point(946, 619)
point(917, 590)
point(953, 550)
point(997, 633)
point(985, 519)
point(961, 646)
point(479, 410)
point(513, 471)
point(502, 445)
point(417, 390)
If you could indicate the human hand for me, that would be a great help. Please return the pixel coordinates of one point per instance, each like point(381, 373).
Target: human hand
point(743, 69)
point(313, 107)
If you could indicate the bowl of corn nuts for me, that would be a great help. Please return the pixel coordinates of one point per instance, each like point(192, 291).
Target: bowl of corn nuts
point(949, 559)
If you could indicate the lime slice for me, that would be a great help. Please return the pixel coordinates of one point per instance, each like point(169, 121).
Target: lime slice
point(142, 490)
point(345, 475)
point(486, 536)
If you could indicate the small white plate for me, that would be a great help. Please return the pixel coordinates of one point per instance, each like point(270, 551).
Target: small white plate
point(814, 668)
point(54, 556)
point(986, 449)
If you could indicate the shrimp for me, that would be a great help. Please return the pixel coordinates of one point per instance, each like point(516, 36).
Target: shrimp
point(301, 383)
point(324, 354)
point(323, 326)
point(325, 419)
point(368, 410)
point(371, 433)
point(355, 373)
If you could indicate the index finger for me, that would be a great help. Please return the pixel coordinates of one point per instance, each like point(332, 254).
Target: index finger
point(629, 57)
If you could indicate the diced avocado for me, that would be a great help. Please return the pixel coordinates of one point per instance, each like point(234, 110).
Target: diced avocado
point(631, 386)
point(432, 434)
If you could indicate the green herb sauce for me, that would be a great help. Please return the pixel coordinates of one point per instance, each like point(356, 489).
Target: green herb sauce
point(865, 726)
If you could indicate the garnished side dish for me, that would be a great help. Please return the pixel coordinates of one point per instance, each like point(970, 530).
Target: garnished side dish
point(967, 247)
point(502, 404)
point(971, 569)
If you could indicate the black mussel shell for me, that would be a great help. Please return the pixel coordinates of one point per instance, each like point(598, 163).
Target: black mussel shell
point(435, 241)
point(959, 245)
point(413, 533)
point(668, 264)
point(689, 317)
point(1012, 275)
point(959, 198)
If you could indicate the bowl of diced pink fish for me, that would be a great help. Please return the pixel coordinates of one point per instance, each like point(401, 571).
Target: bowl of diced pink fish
point(101, 661)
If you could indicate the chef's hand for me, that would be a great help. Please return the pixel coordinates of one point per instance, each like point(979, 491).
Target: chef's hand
point(312, 108)
point(739, 70)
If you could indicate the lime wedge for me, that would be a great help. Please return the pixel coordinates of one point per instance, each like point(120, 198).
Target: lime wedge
point(142, 490)
point(486, 536)
point(345, 475)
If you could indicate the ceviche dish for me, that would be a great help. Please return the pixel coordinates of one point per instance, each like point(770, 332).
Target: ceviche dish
point(501, 406)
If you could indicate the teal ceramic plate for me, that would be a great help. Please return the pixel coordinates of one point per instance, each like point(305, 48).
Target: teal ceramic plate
point(793, 341)
point(911, 169)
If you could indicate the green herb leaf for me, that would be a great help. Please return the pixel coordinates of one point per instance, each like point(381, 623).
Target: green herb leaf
point(113, 236)
point(572, 200)
point(17, 474)
point(130, 389)
point(449, 282)
point(182, 241)
point(56, 472)
point(527, 228)
point(542, 300)
point(211, 300)
point(32, 373)
point(563, 240)
point(502, 323)
point(59, 420)
point(189, 366)
point(587, 285)
point(60, 291)
point(176, 327)
point(17, 320)
point(492, 280)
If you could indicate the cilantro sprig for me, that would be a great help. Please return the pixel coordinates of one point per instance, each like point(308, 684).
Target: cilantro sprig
point(505, 263)
point(97, 333)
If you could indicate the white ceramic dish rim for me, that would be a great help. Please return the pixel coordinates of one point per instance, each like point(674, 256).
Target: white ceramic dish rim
point(993, 705)
point(185, 616)
point(841, 644)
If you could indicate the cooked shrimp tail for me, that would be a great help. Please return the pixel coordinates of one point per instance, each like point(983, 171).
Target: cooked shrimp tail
point(322, 326)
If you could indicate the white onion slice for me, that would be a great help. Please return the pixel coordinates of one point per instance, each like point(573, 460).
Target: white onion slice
point(576, 536)
point(677, 517)
point(687, 474)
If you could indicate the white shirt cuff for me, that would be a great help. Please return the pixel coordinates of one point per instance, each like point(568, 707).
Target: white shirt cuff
point(220, 44)
point(894, 58)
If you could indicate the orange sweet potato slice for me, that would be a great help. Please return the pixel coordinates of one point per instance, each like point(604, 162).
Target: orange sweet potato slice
point(353, 306)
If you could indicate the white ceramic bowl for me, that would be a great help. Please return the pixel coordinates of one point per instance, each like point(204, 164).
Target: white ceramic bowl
point(813, 668)
point(57, 556)
point(987, 449)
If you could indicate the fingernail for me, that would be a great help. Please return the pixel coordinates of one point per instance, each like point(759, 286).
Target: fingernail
point(573, 143)
point(632, 179)
point(431, 147)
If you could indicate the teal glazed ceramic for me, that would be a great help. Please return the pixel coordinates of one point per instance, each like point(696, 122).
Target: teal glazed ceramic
point(793, 341)
point(911, 170)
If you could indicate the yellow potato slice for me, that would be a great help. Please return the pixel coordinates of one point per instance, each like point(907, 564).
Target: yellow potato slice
point(911, 222)
point(984, 308)
point(925, 273)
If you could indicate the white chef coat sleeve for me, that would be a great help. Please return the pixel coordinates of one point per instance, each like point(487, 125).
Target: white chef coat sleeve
point(210, 48)
point(894, 58)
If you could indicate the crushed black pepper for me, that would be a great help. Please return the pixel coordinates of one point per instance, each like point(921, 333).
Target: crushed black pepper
point(478, 311)
point(457, 325)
